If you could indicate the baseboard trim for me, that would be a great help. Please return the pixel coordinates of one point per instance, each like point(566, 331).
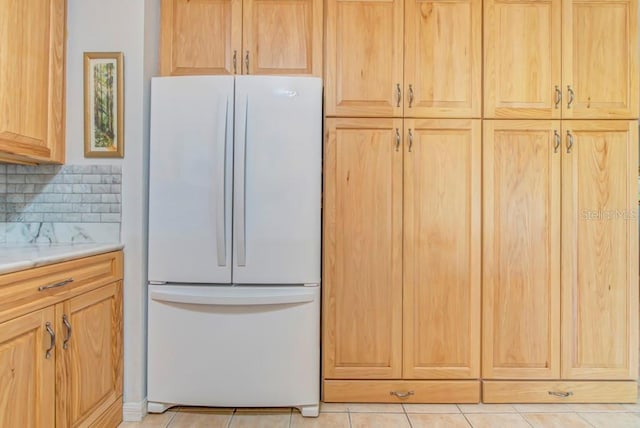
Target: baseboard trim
point(134, 411)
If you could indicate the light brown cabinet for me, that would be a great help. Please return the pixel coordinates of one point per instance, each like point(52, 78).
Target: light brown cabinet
point(61, 335)
point(561, 58)
point(560, 260)
point(422, 60)
point(401, 260)
point(32, 64)
point(241, 37)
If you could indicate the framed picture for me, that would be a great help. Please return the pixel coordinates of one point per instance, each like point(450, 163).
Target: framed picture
point(103, 105)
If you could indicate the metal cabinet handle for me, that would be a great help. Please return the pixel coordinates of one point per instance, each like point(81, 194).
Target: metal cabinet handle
point(398, 95)
point(67, 337)
point(569, 141)
point(397, 139)
point(56, 284)
point(558, 99)
point(410, 139)
point(402, 394)
point(556, 136)
point(235, 61)
point(47, 326)
point(571, 94)
point(410, 95)
point(246, 62)
point(561, 394)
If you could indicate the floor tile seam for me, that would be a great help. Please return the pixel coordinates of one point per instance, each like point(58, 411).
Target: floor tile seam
point(585, 419)
point(170, 421)
point(406, 415)
point(467, 419)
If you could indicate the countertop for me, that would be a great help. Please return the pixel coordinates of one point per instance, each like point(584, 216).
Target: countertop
point(15, 257)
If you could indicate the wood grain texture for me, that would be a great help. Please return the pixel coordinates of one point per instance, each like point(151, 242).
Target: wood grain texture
point(538, 392)
point(200, 37)
point(32, 108)
point(27, 378)
point(521, 250)
point(600, 58)
point(362, 264)
point(379, 391)
point(522, 58)
point(364, 58)
point(283, 37)
point(442, 58)
point(600, 251)
point(441, 255)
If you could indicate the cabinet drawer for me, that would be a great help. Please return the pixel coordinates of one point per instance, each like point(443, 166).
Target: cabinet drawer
point(31, 289)
point(392, 391)
point(559, 391)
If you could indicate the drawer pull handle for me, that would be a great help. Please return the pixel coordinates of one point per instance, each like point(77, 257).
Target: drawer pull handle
point(47, 326)
point(67, 324)
point(55, 285)
point(402, 394)
point(561, 394)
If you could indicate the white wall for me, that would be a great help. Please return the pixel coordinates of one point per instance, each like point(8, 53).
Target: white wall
point(130, 27)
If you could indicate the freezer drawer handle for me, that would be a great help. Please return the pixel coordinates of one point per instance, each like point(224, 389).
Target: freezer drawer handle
point(227, 300)
point(400, 394)
point(56, 284)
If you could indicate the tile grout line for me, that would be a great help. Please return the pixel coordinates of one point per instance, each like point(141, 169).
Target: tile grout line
point(585, 419)
point(173, 415)
point(349, 416)
point(464, 415)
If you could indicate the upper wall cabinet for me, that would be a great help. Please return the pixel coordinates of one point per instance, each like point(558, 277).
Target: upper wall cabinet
point(561, 59)
point(241, 37)
point(32, 57)
point(408, 58)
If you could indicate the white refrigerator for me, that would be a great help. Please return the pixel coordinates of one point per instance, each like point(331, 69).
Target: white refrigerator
point(234, 242)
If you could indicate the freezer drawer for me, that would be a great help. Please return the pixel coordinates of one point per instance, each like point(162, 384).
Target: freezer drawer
point(234, 346)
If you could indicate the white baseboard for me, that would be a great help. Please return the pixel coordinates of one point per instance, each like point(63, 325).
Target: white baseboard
point(134, 411)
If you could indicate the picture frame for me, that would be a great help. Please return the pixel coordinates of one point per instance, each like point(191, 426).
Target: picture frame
point(103, 105)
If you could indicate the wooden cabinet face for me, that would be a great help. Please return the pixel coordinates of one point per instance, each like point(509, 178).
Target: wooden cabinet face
point(441, 254)
point(91, 366)
point(201, 37)
point(600, 58)
point(600, 251)
point(522, 59)
point(362, 255)
point(364, 58)
point(283, 36)
point(27, 377)
point(521, 250)
point(442, 58)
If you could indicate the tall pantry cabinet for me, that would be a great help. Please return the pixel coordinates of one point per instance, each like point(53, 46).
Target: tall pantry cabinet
point(402, 234)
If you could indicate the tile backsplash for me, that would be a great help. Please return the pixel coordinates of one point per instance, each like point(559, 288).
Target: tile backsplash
point(51, 203)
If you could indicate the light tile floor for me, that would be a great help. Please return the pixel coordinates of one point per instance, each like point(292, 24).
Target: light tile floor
point(349, 415)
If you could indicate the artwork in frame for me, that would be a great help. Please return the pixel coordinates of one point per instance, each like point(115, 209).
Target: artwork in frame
point(103, 104)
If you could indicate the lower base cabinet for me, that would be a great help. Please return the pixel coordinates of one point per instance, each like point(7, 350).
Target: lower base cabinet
point(61, 345)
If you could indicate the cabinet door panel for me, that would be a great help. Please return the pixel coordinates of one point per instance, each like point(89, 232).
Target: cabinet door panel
point(27, 377)
point(522, 59)
point(521, 250)
point(200, 37)
point(600, 58)
point(283, 37)
point(441, 254)
point(443, 44)
point(90, 368)
point(362, 249)
point(364, 58)
point(600, 251)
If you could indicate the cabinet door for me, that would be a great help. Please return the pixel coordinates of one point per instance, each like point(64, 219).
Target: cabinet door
point(282, 37)
point(600, 250)
point(600, 58)
point(521, 250)
point(442, 59)
point(200, 37)
point(522, 59)
point(441, 257)
point(363, 249)
point(32, 46)
point(27, 376)
point(89, 355)
point(364, 58)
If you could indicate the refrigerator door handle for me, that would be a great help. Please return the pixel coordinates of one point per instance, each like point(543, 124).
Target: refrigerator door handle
point(241, 189)
point(228, 299)
point(221, 140)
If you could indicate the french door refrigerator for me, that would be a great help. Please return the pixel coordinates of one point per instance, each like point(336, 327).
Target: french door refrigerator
point(234, 242)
